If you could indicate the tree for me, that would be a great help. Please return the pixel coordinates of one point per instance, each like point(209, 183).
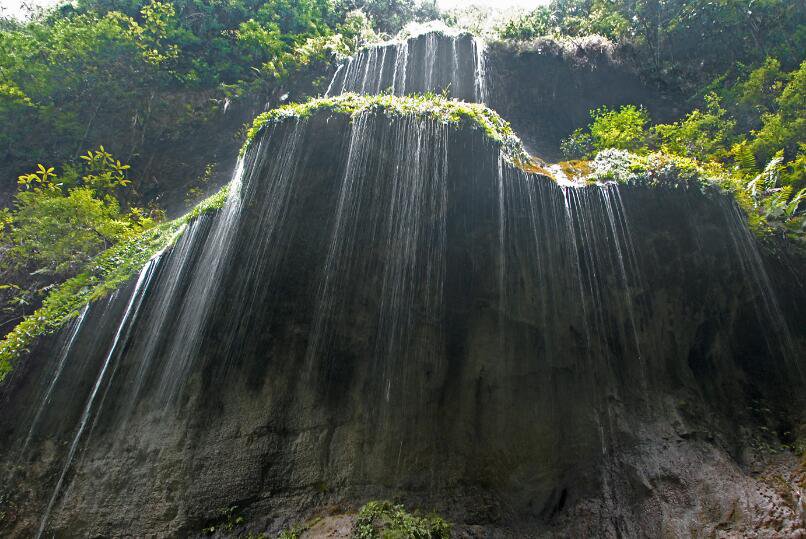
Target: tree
point(784, 125)
point(390, 16)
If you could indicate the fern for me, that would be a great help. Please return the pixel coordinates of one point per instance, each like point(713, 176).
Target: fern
point(744, 158)
point(792, 207)
point(766, 182)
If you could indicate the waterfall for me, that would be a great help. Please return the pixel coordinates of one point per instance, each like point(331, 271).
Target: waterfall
point(132, 309)
point(167, 294)
point(407, 232)
point(771, 318)
point(194, 310)
point(435, 61)
point(342, 243)
point(370, 285)
point(62, 361)
point(582, 241)
point(480, 71)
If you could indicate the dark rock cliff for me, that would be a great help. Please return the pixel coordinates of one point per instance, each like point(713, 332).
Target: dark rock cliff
point(547, 89)
point(388, 308)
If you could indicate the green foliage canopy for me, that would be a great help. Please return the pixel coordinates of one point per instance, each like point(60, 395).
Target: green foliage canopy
point(624, 129)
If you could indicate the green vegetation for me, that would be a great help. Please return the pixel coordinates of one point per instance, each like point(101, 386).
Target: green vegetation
point(690, 44)
point(291, 533)
point(742, 66)
point(384, 520)
point(141, 75)
point(390, 16)
point(228, 521)
point(139, 78)
point(132, 239)
point(102, 275)
point(713, 134)
point(435, 107)
point(707, 143)
point(296, 531)
point(60, 221)
point(135, 75)
point(771, 209)
point(624, 129)
point(132, 57)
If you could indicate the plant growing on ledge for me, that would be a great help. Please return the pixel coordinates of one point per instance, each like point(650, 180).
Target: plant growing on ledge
point(60, 220)
point(763, 169)
point(100, 276)
point(379, 519)
point(429, 105)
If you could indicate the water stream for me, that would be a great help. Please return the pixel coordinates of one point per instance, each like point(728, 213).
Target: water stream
point(382, 223)
point(132, 308)
point(437, 60)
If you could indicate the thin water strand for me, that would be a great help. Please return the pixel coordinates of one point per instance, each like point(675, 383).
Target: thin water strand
point(135, 300)
point(63, 356)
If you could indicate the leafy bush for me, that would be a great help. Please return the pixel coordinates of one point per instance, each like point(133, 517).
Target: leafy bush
point(784, 126)
point(566, 18)
point(578, 144)
point(707, 142)
point(770, 206)
point(390, 16)
point(382, 519)
point(624, 129)
point(756, 94)
point(536, 23)
point(60, 221)
point(613, 165)
point(702, 135)
point(771, 200)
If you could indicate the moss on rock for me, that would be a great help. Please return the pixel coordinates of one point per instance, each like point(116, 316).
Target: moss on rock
point(659, 169)
point(429, 106)
point(105, 273)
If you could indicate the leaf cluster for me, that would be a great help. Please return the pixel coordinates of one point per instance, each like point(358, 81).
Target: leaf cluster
point(688, 43)
point(99, 277)
point(383, 519)
point(61, 220)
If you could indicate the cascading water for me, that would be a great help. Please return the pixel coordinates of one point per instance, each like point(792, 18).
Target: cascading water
point(194, 310)
point(390, 304)
point(130, 314)
point(439, 60)
point(776, 329)
point(63, 355)
point(408, 233)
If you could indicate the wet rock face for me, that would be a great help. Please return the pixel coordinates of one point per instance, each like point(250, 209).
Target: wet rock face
point(546, 90)
point(392, 310)
point(452, 63)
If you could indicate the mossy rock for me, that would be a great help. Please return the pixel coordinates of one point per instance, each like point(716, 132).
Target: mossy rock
point(104, 274)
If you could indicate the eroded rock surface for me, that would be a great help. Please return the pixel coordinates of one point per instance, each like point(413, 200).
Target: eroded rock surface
point(390, 309)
